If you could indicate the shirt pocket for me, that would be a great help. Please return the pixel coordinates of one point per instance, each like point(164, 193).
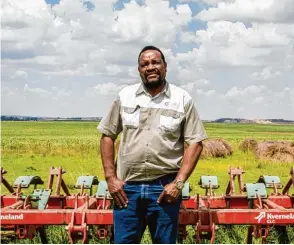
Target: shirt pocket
point(170, 122)
point(131, 117)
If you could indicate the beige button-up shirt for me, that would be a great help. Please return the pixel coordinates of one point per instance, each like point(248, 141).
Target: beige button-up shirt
point(154, 130)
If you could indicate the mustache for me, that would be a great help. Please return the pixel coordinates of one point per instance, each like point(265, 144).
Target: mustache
point(150, 73)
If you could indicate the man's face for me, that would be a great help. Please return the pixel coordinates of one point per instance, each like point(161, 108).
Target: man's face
point(152, 69)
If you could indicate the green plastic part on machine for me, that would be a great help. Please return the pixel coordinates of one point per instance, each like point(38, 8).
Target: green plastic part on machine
point(270, 181)
point(43, 196)
point(186, 191)
point(102, 190)
point(256, 189)
point(26, 181)
point(87, 181)
point(205, 181)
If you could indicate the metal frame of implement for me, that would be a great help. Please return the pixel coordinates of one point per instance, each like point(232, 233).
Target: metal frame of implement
point(23, 215)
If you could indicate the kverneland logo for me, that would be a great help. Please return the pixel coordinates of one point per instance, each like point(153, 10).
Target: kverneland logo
point(11, 217)
point(260, 216)
point(271, 218)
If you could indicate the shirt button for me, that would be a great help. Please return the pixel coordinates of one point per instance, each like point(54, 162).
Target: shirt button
point(147, 144)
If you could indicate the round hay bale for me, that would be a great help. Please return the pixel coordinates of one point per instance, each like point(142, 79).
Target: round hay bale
point(286, 142)
point(216, 148)
point(248, 145)
point(275, 151)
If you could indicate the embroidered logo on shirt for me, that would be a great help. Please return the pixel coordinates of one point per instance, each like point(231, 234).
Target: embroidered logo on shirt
point(171, 105)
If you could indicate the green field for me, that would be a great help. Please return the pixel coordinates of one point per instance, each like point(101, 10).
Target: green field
point(31, 148)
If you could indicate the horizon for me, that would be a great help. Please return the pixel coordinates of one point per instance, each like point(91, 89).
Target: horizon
point(251, 119)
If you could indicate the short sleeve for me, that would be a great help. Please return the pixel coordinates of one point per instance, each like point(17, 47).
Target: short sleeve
point(194, 130)
point(111, 124)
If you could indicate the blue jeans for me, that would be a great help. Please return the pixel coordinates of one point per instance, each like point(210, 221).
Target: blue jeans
point(143, 209)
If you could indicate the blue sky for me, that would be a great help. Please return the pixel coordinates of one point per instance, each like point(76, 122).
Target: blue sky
point(52, 2)
point(235, 58)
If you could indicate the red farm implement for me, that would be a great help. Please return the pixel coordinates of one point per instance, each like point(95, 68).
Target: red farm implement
point(259, 206)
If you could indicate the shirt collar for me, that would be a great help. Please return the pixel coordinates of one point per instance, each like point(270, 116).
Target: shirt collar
point(166, 89)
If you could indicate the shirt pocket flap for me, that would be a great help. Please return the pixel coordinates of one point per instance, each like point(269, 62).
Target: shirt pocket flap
point(131, 117)
point(169, 113)
point(170, 121)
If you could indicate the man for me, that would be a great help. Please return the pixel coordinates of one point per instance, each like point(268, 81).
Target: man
point(156, 119)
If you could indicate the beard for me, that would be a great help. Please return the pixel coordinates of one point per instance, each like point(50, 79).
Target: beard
point(154, 84)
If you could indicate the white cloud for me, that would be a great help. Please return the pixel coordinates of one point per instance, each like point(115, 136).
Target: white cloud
point(265, 74)
point(113, 69)
point(74, 41)
point(228, 43)
point(254, 94)
point(133, 23)
point(210, 92)
point(37, 91)
point(250, 90)
point(251, 10)
point(257, 100)
point(189, 86)
point(234, 92)
point(7, 92)
point(108, 88)
point(20, 74)
point(210, 2)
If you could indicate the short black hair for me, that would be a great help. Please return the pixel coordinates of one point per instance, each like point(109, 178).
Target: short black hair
point(151, 48)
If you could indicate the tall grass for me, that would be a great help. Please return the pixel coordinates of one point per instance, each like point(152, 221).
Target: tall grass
point(31, 148)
